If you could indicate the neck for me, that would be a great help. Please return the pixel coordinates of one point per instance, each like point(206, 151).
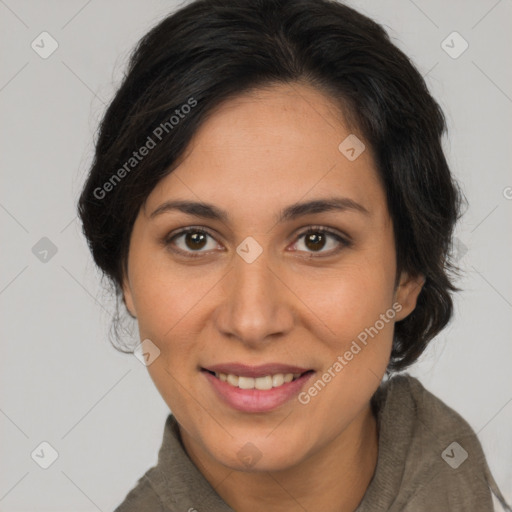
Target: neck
point(334, 479)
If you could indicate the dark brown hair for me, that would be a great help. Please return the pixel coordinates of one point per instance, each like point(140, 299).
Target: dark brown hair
point(213, 50)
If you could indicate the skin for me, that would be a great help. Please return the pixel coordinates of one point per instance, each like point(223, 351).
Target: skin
point(295, 304)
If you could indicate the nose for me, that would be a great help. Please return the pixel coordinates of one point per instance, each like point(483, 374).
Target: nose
point(257, 305)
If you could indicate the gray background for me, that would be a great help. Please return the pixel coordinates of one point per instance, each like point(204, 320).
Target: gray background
point(62, 382)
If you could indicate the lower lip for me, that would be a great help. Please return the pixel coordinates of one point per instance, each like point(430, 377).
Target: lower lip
point(256, 400)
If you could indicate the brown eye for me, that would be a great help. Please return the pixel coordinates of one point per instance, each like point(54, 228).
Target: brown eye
point(195, 240)
point(189, 241)
point(316, 239)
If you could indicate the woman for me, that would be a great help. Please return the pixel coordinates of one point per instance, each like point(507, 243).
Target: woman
point(270, 198)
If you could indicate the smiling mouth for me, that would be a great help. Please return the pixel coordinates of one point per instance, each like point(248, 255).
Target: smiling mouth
point(262, 383)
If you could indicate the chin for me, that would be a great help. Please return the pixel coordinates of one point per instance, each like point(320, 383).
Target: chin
point(258, 453)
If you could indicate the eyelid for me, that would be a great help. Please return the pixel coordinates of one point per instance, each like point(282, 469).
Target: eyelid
point(343, 239)
point(167, 239)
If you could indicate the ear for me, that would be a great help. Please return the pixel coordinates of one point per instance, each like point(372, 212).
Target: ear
point(128, 298)
point(406, 293)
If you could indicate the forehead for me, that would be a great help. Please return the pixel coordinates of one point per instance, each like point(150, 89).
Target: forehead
point(268, 147)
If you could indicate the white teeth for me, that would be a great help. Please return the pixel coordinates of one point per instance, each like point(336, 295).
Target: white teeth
point(277, 380)
point(262, 383)
point(245, 382)
point(232, 379)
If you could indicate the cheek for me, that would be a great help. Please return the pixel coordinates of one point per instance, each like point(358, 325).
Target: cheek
point(350, 299)
point(357, 307)
point(164, 294)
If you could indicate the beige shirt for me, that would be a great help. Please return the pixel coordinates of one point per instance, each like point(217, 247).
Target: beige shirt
point(429, 460)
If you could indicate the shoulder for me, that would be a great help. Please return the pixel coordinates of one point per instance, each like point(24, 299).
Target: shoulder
point(142, 497)
point(429, 456)
point(425, 412)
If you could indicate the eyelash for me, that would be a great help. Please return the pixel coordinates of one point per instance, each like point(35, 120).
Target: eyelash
point(312, 229)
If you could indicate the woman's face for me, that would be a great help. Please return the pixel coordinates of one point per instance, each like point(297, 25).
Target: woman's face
point(256, 298)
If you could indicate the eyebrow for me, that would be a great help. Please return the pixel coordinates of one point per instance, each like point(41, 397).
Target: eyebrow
point(210, 211)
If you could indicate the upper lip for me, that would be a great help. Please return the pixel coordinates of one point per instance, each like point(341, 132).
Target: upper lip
point(262, 370)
